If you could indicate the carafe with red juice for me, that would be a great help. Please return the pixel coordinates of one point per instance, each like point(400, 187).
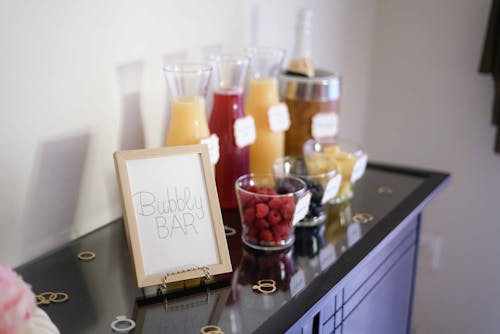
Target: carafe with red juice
point(229, 75)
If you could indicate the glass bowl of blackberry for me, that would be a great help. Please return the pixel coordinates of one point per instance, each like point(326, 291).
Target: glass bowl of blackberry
point(323, 186)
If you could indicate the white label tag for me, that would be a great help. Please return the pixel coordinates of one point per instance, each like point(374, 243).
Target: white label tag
point(327, 256)
point(301, 208)
point(324, 124)
point(279, 117)
point(297, 282)
point(359, 168)
point(354, 233)
point(244, 131)
point(335, 89)
point(213, 147)
point(332, 188)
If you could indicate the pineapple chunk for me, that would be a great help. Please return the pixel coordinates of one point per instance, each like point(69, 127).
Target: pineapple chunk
point(345, 165)
point(334, 150)
point(319, 163)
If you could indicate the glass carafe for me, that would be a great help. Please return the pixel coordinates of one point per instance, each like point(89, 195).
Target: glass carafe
point(229, 73)
point(265, 66)
point(188, 85)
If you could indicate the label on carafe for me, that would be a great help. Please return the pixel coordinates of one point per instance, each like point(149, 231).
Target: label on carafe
point(213, 147)
point(359, 168)
point(332, 188)
point(335, 89)
point(244, 131)
point(279, 117)
point(302, 208)
point(324, 124)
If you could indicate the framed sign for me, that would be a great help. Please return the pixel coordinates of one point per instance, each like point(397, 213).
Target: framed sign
point(172, 216)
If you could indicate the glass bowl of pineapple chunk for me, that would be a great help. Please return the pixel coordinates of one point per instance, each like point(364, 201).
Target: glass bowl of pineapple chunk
point(330, 154)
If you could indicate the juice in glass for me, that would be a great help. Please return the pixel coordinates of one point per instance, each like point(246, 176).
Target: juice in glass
point(188, 124)
point(188, 85)
point(269, 145)
point(233, 162)
point(229, 73)
point(265, 65)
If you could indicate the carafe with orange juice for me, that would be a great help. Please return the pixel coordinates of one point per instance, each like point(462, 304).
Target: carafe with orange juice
point(188, 85)
point(265, 66)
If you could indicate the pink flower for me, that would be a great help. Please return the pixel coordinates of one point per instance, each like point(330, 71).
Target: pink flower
point(17, 301)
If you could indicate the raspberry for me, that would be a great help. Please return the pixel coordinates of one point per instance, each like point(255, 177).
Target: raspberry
point(287, 210)
point(270, 191)
point(274, 217)
point(285, 231)
point(262, 191)
point(287, 200)
point(282, 231)
point(278, 230)
point(262, 224)
point(260, 199)
point(249, 215)
point(248, 200)
point(275, 203)
point(266, 235)
point(261, 210)
point(253, 189)
point(252, 234)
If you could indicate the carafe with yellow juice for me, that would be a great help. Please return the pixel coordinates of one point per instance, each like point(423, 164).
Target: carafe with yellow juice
point(265, 66)
point(188, 85)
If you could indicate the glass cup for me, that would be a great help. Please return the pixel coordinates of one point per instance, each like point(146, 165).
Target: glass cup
point(229, 74)
point(316, 183)
point(267, 206)
point(348, 159)
point(188, 85)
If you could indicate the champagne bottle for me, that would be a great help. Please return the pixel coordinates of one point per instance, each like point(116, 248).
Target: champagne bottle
point(301, 63)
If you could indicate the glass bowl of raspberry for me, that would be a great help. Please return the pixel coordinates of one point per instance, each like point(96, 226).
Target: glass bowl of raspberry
point(267, 207)
point(323, 186)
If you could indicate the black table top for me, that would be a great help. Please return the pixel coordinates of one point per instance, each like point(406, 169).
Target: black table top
point(104, 288)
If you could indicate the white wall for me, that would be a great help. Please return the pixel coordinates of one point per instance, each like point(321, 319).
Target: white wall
point(76, 74)
point(429, 107)
point(83, 79)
